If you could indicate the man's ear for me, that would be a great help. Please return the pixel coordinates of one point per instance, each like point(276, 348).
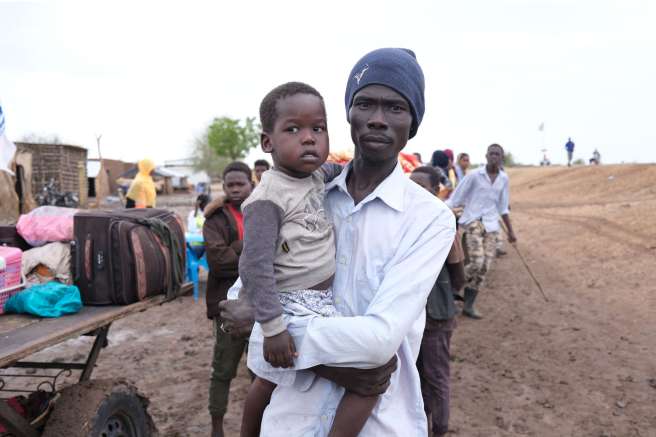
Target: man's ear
point(266, 143)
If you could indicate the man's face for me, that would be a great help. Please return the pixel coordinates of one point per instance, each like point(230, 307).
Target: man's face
point(380, 123)
point(494, 156)
point(299, 141)
point(259, 169)
point(237, 187)
point(464, 162)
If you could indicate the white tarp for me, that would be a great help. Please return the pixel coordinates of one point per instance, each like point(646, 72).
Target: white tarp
point(7, 148)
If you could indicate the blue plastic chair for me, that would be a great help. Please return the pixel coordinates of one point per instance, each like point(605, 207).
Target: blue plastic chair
point(196, 258)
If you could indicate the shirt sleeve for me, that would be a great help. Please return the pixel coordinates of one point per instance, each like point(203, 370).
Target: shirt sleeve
point(330, 171)
point(262, 222)
point(372, 339)
point(459, 195)
point(504, 199)
point(222, 257)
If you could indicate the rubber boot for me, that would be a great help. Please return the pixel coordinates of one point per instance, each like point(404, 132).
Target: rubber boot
point(468, 309)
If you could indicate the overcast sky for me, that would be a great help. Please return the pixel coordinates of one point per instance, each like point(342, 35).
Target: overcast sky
point(150, 77)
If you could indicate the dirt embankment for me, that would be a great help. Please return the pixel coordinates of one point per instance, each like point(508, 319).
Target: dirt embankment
point(583, 363)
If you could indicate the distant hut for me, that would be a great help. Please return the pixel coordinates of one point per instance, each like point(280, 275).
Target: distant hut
point(63, 163)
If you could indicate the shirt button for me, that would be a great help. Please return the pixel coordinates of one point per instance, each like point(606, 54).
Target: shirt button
point(342, 260)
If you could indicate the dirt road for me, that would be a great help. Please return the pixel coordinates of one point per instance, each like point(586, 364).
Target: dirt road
point(581, 364)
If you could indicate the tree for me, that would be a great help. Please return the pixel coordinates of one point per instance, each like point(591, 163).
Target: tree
point(205, 159)
point(509, 160)
point(230, 138)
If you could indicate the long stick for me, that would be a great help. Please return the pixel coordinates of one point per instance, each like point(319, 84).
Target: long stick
point(528, 269)
point(530, 272)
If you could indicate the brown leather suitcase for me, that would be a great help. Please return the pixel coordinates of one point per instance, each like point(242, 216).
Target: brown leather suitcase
point(126, 255)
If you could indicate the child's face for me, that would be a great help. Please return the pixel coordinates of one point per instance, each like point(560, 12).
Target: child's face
point(299, 141)
point(237, 187)
point(423, 180)
point(259, 169)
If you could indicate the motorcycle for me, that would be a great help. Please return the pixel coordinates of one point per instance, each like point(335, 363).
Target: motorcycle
point(50, 196)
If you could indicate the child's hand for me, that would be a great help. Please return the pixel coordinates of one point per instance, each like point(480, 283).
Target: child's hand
point(279, 350)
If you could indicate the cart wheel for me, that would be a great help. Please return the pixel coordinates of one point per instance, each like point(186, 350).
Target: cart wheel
point(100, 408)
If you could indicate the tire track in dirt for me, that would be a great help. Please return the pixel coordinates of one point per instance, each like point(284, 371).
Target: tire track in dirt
point(530, 205)
point(603, 227)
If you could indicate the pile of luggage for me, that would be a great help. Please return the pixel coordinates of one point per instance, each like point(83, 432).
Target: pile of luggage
point(114, 257)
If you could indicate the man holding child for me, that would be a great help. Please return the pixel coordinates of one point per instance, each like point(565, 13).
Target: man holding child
point(392, 238)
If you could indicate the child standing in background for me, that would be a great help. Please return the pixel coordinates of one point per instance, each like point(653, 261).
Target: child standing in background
point(223, 232)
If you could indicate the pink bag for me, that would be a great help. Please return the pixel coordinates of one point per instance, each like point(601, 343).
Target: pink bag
point(46, 224)
point(10, 273)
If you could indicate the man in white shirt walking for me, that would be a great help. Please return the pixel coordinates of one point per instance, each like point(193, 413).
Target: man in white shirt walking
point(485, 194)
point(392, 238)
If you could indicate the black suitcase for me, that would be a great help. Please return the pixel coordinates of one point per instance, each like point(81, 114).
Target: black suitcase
point(9, 236)
point(126, 255)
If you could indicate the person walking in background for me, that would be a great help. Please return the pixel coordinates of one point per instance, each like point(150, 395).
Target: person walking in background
point(142, 192)
point(223, 233)
point(260, 166)
point(418, 156)
point(434, 354)
point(462, 164)
point(451, 172)
point(484, 193)
point(569, 146)
point(440, 162)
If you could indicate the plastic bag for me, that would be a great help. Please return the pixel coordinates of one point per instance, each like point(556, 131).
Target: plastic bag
point(52, 299)
point(46, 224)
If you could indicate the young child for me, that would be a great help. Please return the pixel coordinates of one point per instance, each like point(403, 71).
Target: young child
point(288, 262)
point(223, 235)
point(260, 166)
point(434, 354)
point(196, 217)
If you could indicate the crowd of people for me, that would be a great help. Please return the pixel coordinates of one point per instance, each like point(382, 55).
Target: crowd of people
point(319, 292)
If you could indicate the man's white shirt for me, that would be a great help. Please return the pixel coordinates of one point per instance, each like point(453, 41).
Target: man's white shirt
point(390, 249)
point(482, 199)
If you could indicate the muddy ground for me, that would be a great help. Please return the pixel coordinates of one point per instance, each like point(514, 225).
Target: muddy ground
point(582, 363)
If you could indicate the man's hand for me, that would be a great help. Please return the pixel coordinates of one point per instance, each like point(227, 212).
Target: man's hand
point(279, 350)
point(511, 237)
point(237, 316)
point(364, 382)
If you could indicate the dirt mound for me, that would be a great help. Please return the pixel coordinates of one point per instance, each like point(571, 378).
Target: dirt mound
point(584, 363)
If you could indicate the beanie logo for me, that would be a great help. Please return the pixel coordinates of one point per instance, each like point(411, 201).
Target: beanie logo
point(358, 76)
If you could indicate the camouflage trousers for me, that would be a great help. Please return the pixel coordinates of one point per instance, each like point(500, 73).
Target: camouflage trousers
point(481, 249)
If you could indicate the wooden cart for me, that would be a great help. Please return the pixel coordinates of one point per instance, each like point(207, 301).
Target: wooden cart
point(122, 412)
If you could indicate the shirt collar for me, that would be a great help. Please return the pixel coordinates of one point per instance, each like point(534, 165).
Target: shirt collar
point(391, 190)
point(483, 171)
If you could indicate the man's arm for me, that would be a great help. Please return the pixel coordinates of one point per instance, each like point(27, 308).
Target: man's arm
point(365, 382)
point(460, 194)
point(372, 339)
point(504, 210)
